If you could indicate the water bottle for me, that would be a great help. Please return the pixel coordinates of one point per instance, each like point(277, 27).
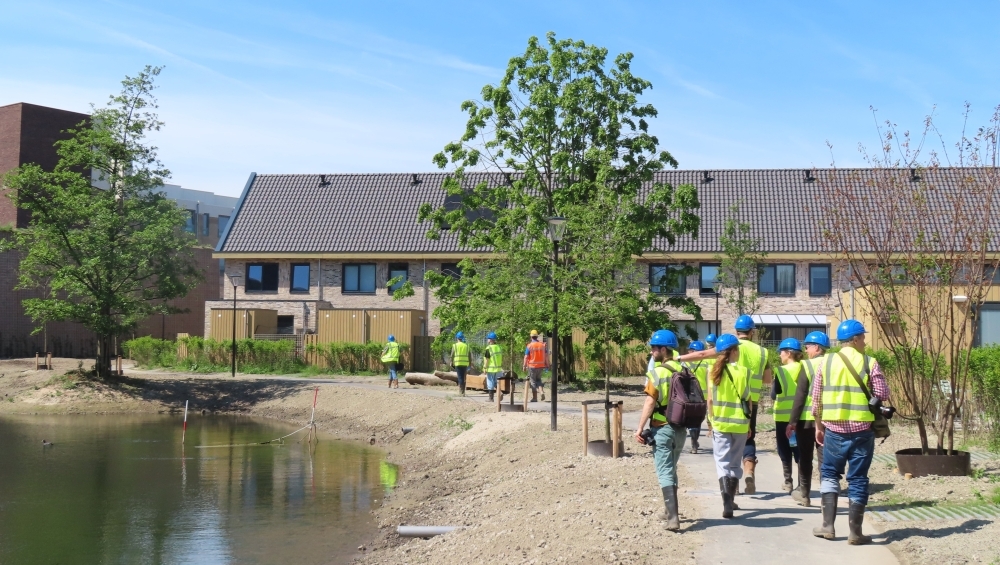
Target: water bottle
point(793, 441)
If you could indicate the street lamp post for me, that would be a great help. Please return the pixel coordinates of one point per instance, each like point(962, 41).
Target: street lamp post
point(717, 287)
point(557, 229)
point(236, 280)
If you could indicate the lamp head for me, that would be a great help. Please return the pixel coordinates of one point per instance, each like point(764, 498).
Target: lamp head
point(557, 228)
point(237, 280)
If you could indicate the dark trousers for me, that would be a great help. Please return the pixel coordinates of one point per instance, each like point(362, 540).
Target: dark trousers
point(807, 443)
point(750, 449)
point(461, 371)
point(785, 451)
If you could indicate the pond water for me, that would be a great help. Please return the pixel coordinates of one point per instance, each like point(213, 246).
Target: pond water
point(123, 489)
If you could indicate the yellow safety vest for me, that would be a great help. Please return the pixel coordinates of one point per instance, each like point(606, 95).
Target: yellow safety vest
point(727, 413)
point(809, 368)
point(754, 358)
point(788, 376)
point(660, 377)
point(391, 353)
point(701, 370)
point(842, 397)
point(460, 354)
point(495, 363)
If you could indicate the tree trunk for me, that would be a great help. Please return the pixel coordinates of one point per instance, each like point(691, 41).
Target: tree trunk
point(567, 360)
point(103, 362)
point(922, 429)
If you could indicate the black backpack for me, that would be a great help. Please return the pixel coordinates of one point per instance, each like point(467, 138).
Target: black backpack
point(686, 406)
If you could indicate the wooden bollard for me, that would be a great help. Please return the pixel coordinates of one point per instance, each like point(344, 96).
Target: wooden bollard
point(36, 360)
point(118, 365)
point(586, 431)
point(618, 429)
point(48, 360)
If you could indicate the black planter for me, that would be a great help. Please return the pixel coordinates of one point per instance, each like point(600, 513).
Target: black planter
point(600, 448)
point(934, 463)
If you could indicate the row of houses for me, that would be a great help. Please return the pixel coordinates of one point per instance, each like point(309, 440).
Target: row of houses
point(308, 243)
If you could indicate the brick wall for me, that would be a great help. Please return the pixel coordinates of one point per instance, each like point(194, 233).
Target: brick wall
point(329, 294)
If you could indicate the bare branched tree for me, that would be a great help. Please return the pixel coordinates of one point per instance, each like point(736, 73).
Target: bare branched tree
point(919, 232)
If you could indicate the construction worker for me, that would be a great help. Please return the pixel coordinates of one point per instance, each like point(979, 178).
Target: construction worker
point(536, 360)
point(494, 363)
point(754, 358)
point(460, 360)
point(844, 427)
point(785, 384)
point(700, 370)
point(801, 421)
point(710, 340)
point(668, 440)
point(729, 408)
point(390, 356)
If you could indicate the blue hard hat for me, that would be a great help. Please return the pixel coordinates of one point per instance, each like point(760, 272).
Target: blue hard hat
point(460, 335)
point(744, 323)
point(818, 338)
point(664, 338)
point(789, 343)
point(696, 346)
point(392, 337)
point(710, 339)
point(491, 335)
point(726, 342)
point(848, 329)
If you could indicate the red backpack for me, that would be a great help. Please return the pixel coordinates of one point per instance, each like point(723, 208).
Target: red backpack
point(686, 406)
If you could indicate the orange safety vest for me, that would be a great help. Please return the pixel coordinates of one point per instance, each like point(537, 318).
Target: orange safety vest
point(536, 355)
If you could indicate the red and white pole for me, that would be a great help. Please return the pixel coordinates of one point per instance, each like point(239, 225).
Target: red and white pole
point(312, 419)
point(185, 428)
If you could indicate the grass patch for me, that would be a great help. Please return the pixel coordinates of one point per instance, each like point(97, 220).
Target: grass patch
point(457, 422)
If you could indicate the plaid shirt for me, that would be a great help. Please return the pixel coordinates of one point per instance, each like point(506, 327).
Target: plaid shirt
point(878, 387)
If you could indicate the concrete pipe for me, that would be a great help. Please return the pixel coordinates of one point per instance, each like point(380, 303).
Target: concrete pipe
point(423, 531)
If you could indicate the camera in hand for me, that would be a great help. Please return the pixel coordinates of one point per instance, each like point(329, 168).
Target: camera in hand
point(875, 405)
point(649, 436)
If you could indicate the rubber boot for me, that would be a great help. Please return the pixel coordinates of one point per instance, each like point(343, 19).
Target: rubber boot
point(672, 521)
point(734, 486)
point(786, 468)
point(390, 383)
point(492, 394)
point(542, 391)
point(801, 494)
point(695, 433)
point(749, 465)
point(829, 515)
point(855, 517)
point(727, 497)
point(534, 395)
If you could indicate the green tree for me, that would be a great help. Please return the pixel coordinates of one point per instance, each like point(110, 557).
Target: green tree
point(561, 133)
point(111, 256)
point(739, 263)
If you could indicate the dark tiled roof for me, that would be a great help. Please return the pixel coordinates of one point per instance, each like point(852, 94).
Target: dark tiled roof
point(358, 213)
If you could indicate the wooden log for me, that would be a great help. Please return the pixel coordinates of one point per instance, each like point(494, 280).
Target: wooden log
point(447, 375)
point(426, 379)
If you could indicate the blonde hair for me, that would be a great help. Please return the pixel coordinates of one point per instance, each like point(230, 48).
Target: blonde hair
point(720, 365)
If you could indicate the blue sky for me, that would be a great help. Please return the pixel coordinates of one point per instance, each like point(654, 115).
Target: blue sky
point(326, 87)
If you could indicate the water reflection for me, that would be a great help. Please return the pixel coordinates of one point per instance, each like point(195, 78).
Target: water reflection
point(123, 489)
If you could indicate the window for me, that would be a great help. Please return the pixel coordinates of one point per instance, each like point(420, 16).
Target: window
point(989, 325)
point(262, 277)
point(359, 278)
point(300, 277)
point(819, 280)
point(204, 224)
point(398, 270)
point(777, 279)
point(189, 226)
point(709, 278)
point(667, 279)
point(223, 222)
point(452, 270)
point(286, 324)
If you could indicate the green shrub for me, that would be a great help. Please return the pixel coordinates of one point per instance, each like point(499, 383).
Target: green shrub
point(208, 355)
point(354, 358)
point(984, 372)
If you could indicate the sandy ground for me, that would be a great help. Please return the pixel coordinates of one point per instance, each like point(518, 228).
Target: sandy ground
point(522, 493)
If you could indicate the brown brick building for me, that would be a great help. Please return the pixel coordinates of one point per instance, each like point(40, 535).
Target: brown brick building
point(27, 135)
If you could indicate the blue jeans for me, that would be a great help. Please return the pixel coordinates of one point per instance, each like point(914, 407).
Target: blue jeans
point(461, 371)
point(491, 380)
point(392, 372)
point(853, 450)
point(667, 451)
